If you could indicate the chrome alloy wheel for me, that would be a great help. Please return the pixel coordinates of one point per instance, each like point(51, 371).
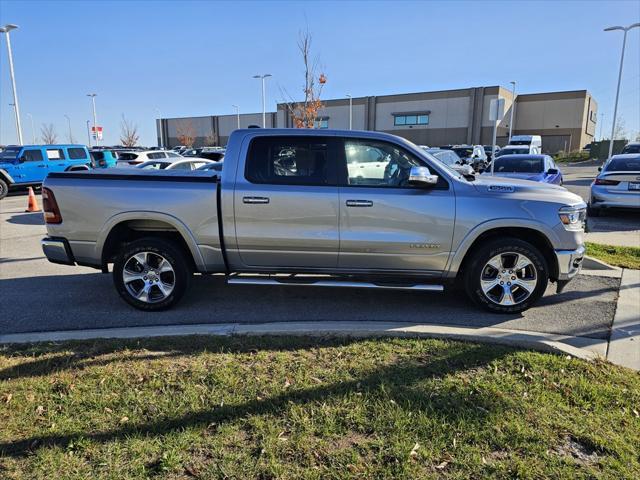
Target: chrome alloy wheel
point(148, 277)
point(509, 278)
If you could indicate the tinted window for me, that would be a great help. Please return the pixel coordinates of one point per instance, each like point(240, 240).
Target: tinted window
point(623, 165)
point(77, 153)
point(95, 155)
point(289, 161)
point(422, 119)
point(55, 154)
point(377, 164)
point(127, 156)
point(33, 155)
point(513, 164)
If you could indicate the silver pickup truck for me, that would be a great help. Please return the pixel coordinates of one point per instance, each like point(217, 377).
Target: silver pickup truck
point(322, 208)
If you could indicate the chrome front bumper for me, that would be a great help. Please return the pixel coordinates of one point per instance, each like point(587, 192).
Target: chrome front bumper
point(569, 263)
point(57, 250)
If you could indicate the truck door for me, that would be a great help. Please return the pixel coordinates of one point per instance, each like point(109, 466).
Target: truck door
point(286, 203)
point(387, 224)
point(57, 159)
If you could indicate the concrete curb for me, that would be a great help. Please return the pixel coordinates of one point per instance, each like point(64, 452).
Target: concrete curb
point(579, 347)
point(624, 343)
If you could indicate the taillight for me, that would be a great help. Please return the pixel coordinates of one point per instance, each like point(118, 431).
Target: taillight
point(604, 181)
point(50, 207)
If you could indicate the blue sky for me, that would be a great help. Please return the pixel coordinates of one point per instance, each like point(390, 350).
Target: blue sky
point(197, 58)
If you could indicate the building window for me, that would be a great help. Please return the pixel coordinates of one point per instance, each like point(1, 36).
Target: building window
point(321, 122)
point(411, 119)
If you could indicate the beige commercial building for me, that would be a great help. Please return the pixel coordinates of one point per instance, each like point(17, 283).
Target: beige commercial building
point(565, 120)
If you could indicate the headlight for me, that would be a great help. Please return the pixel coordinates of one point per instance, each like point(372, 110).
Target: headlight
point(573, 217)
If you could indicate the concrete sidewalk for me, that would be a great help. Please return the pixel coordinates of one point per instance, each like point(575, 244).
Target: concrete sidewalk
point(624, 343)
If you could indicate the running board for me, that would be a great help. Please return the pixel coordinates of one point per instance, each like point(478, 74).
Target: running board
point(331, 283)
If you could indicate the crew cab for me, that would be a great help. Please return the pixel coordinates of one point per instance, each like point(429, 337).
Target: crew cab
point(28, 165)
point(289, 207)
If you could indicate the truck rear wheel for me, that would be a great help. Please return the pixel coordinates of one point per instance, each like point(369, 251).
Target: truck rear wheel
point(506, 276)
point(151, 274)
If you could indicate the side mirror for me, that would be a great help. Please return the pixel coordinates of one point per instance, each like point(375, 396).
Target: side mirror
point(421, 176)
point(599, 169)
point(21, 159)
point(553, 171)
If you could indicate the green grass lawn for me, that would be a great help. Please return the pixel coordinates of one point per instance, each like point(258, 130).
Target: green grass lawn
point(291, 408)
point(626, 257)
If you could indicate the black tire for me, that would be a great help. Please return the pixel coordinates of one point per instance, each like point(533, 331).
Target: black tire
point(4, 189)
point(477, 263)
point(173, 254)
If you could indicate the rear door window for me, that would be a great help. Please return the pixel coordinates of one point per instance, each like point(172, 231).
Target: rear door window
point(292, 160)
point(55, 154)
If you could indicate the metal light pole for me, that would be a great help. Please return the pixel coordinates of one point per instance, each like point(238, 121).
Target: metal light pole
point(14, 110)
point(513, 108)
point(264, 105)
point(238, 113)
point(69, 125)
point(33, 129)
point(615, 108)
point(350, 112)
point(6, 29)
point(88, 133)
point(161, 134)
point(95, 118)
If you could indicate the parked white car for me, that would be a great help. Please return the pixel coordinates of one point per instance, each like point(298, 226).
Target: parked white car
point(169, 164)
point(133, 158)
point(518, 150)
point(451, 160)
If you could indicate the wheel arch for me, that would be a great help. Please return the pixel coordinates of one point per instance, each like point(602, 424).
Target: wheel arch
point(131, 226)
point(532, 234)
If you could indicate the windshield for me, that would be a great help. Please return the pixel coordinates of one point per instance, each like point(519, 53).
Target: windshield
point(446, 156)
point(517, 151)
point(513, 164)
point(623, 165)
point(9, 153)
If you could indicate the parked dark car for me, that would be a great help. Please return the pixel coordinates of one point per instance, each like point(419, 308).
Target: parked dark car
point(537, 168)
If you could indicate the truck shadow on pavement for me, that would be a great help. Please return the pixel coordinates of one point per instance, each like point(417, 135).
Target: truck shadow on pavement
point(89, 301)
point(400, 381)
point(35, 218)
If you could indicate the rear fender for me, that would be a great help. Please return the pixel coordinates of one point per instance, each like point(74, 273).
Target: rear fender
point(180, 227)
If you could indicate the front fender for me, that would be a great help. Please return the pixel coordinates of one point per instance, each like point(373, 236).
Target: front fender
point(5, 174)
point(460, 252)
point(180, 227)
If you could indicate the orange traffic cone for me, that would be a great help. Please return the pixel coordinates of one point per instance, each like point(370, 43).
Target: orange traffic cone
point(32, 206)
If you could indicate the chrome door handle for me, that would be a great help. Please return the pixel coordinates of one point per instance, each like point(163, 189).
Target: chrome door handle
point(255, 200)
point(359, 203)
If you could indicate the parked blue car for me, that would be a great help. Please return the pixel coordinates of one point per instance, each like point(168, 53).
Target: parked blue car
point(537, 168)
point(28, 165)
point(103, 158)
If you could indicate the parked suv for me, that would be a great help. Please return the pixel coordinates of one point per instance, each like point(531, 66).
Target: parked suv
point(28, 165)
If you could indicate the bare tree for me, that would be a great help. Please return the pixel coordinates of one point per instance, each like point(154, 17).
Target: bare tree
point(186, 133)
point(49, 135)
point(128, 133)
point(211, 140)
point(305, 114)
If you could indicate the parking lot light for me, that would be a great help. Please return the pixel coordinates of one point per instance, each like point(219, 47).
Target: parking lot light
point(350, 111)
point(615, 107)
point(264, 107)
point(95, 117)
point(513, 108)
point(16, 106)
point(237, 114)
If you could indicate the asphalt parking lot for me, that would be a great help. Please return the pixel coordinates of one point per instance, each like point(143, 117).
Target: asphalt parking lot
point(40, 296)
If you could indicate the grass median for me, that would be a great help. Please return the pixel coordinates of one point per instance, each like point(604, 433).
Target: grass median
point(207, 407)
point(625, 257)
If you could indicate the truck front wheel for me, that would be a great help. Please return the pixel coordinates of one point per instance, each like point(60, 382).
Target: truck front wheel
point(151, 274)
point(4, 189)
point(506, 275)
